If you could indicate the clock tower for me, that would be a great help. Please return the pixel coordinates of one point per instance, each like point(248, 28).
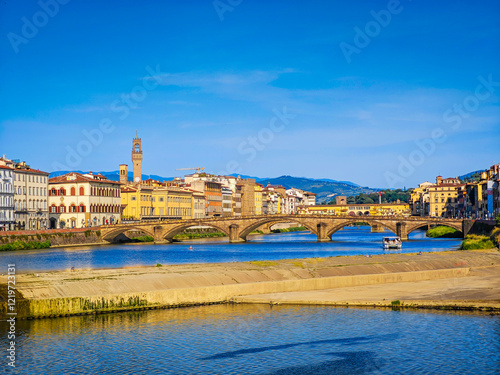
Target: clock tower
point(137, 158)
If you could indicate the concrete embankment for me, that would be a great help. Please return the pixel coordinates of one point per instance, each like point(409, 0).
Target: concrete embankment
point(56, 237)
point(97, 291)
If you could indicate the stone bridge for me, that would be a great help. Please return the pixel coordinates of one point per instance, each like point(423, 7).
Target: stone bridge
point(323, 226)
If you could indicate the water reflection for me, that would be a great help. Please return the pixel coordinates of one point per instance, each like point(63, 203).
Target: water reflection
point(349, 241)
point(258, 339)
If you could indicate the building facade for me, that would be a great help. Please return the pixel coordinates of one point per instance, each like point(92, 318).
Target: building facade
point(31, 193)
point(384, 209)
point(446, 197)
point(6, 198)
point(79, 201)
point(227, 202)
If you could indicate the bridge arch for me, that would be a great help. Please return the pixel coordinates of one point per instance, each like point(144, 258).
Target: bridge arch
point(457, 226)
point(114, 232)
point(244, 232)
point(170, 233)
point(347, 221)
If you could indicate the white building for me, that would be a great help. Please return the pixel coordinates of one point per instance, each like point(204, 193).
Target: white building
point(227, 202)
point(30, 195)
point(31, 189)
point(77, 201)
point(6, 198)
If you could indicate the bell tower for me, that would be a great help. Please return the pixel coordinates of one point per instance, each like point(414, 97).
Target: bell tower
point(137, 158)
point(124, 174)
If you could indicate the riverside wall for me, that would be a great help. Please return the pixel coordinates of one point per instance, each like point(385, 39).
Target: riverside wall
point(101, 291)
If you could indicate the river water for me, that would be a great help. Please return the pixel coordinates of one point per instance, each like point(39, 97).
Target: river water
point(250, 339)
point(348, 241)
point(260, 339)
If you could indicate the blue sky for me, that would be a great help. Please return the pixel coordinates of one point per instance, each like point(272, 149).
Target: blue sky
point(381, 93)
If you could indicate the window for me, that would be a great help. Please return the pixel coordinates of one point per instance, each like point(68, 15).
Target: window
point(82, 208)
point(62, 208)
point(133, 198)
point(82, 190)
point(73, 192)
point(53, 209)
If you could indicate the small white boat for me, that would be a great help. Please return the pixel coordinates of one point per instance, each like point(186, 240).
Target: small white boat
point(392, 243)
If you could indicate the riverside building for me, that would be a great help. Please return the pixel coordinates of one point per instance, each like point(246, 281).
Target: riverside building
point(79, 201)
point(6, 198)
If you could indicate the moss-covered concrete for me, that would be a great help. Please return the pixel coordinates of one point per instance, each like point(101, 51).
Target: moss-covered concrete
point(96, 291)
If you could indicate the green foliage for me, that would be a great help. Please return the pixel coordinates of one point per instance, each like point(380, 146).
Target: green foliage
point(476, 242)
point(443, 231)
point(497, 219)
point(291, 229)
point(389, 196)
point(143, 239)
point(396, 303)
point(183, 236)
point(495, 237)
point(475, 177)
point(38, 236)
point(20, 245)
point(159, 265)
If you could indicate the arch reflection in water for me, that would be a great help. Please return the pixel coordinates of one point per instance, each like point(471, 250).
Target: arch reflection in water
point(236, 339)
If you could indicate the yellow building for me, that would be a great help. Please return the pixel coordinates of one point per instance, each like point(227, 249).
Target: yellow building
point(445, 197)
point(419, 199)
point(173, 202)
point(258, 198)
point(136, 202)
point(144, 202)
point(387, 209)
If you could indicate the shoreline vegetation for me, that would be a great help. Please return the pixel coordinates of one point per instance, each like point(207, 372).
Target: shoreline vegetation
point(287, 230)
point(21, 245)
point(443, 232)
point(477, 242)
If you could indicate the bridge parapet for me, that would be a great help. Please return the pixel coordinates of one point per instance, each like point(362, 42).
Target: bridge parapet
point(238, 228)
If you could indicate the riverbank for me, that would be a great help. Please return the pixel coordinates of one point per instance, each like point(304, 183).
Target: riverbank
point(465, 279)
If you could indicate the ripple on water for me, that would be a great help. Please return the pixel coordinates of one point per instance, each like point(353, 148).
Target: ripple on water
point(246, 339)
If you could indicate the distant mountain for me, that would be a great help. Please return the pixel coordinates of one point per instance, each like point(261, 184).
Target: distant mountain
point(257, 179)
point(469, 176)
point(324, 189)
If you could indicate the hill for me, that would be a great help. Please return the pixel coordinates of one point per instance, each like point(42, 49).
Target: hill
point(323, 188)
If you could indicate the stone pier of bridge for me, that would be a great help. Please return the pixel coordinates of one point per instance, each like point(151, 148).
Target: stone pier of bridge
point(376, 228)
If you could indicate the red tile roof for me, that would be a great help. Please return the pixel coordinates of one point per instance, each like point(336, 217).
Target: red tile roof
point(31, 171)
point(79, 178)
